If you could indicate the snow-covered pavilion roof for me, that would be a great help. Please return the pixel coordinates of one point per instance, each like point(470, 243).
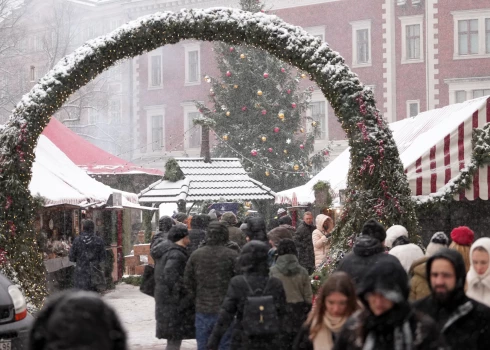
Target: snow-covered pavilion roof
point(435, 146)
point(222, 178)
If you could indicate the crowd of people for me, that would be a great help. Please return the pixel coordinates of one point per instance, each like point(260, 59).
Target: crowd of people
point(249, 287)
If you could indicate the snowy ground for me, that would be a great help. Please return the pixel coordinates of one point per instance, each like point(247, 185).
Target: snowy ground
point(137, 313)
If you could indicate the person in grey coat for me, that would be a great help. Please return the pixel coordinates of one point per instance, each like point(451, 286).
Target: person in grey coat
point(88, 252)
point(174, 311)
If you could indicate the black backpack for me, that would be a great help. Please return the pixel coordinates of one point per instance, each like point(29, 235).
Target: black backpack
point(259, 313)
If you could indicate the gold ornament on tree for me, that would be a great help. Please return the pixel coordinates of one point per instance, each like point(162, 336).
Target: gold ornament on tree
point(263, 138)
point(302, 130)
point(296, 167)
point(314, 124)
point(267, 173)
point(242, 56)
point(285, 151)
point(259, 92)
point(281, 116)
point(228, 113)
point(303, 75)
point(225, 137)
point(235, 86)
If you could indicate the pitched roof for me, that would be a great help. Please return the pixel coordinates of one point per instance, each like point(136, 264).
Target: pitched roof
point(223, 178)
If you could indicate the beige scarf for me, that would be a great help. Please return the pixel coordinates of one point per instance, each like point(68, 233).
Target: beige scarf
point(323, 340)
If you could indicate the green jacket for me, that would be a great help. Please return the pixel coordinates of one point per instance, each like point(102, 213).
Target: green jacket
point(294, 278)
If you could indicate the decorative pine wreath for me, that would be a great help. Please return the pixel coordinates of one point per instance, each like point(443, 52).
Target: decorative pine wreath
point(377, 184)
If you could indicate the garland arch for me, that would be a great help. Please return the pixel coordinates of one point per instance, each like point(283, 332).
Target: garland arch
point(377, 185)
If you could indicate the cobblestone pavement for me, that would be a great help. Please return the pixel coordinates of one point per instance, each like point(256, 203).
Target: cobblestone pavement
point(137, 313)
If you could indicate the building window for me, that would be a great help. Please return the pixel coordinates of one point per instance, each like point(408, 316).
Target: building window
point(468, 37)
point(487, 35)
point(155, 71)
point(195, 131)
point(317, 110)
point(413, 108)
point(115, 111)
point(460, 96)
point(463, 89)
point(361, 43)
point(481, 92)
point(413, 41)
point(192, 63)
point(32, 73)
point(156, 132)
point(317, 32)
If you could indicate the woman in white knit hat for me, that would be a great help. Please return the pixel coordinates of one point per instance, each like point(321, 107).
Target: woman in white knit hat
point(478, 278)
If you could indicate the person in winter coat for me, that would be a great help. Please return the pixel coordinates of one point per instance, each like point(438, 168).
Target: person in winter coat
point(207, 275)
point(182, 218)
point(165, 223)
point(77, 320)
point(275, 237)
point(419, 287)
point(368, 250)
point(297, 286)
point(321, 237)
point(478, 278)
point(196, 233)
point(335, 303)
point(256, 229)
point(304, 243)
point(388, 321)
point(463, 238)
point(399, 244)
point(234, 233)
point(464, 322)
point(174, 310)
point(253, 264)
point(88, 252)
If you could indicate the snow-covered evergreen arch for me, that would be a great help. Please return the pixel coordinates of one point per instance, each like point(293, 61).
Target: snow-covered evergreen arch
point(378, 186)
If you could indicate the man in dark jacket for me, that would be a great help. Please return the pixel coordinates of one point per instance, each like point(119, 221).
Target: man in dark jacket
point(234, 233)
point(387, 321)
point(368, 250)
point(165, 223)
point(174, 310)
point(88, 252)
point(256, 227)
point(207, 274)
point(464, 323)
point(196, 233)
point(304, 243)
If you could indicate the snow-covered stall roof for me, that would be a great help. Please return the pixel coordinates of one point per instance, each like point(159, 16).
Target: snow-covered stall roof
point(434, 147)
point(223, 178)
point(60, 181)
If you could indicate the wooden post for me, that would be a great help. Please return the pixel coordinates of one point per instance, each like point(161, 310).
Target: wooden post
point(205, 150)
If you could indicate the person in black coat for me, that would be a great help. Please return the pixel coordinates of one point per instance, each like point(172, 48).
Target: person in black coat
point(256, 229)
point(196, 234)
point(304, 243)
point(88, 252)
point(464, 322)
point(253, 264)
point(77, 320)
point(165, 223)
point(368, 250)
point(387, 321)
point(174, 311)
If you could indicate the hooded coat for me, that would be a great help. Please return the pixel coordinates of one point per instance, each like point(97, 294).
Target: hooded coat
point(419, 287)
point(304, 243)
point(165, 223)
point(320, 239)
point(174, 311)
point(256, 226)
point(464, 322)
point(253, 264)
point(479, 285)
point(234, 233)
point(196, 233)
point(399, 328)
point(367, 252)
point(210, 269)
point(88, 252)
point(407, 254)
point(77, 321)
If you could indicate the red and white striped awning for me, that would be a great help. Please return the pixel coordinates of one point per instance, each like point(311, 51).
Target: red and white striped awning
point(434, 147)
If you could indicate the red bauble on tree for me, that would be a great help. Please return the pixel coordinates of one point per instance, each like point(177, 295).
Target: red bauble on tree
point(266, 75)
point(283, 70)
point(254, 153)
point(302, 146)
point(289, 91)
point(264, 112)
point(228, 74)
point(244, 109)
point(232, 49)
point(270, 149)
point(293, 105)
point(276, 129)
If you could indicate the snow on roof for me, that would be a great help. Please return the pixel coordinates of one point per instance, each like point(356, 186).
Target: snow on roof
point(434, 147)
point(223, 178)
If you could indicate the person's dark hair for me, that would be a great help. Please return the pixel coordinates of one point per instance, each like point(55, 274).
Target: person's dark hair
point(253, 258)
point(165, 223)
point(402, 240)
point(88, 226)
point(374, 229)
point(181, 217)
point(285, 220)
point(287, 246)
point(337, 282)
point(177, 232)
point(77, 320)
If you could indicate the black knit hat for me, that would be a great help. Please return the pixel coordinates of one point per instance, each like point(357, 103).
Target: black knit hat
point(374, 229)
point(177, 232)
point(181, 217)
point(287, 246)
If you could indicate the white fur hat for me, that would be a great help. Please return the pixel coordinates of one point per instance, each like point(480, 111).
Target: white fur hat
point(394, 232)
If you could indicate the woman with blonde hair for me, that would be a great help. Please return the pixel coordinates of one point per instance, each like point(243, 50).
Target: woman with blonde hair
point(462, 238)
point(335, 303)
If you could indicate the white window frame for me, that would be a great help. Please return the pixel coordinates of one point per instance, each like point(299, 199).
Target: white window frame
point(408, 21)
point(189, 47)
point(187, 108)
point(154, 53)
point(152, 111)
point(466, 84)
point(317, 96)
point(318, 31)
point(408, 103)
point(480, 15)
point(360, 25)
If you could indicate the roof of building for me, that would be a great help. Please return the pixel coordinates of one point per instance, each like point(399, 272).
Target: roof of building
point(221, 179)
point(89, 157)
point(435, 146)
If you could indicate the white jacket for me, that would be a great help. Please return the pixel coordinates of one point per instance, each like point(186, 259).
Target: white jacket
point(479, 285)
point(407, 254)
point(321, 243)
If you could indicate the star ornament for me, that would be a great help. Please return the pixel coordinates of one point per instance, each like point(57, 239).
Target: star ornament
point(288, 141)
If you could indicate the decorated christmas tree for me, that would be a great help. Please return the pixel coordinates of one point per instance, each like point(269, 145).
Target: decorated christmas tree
point(258, 114)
